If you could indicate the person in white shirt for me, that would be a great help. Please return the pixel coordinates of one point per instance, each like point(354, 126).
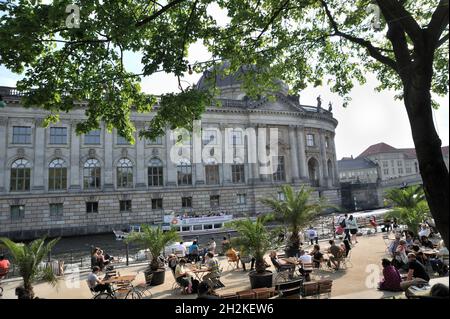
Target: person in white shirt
point(352, 226)
point(440, 264)
point(181, 250)
point(95, 284)
point(424, 231)
point(313, 237)
point(305, 260)
point(212, 246)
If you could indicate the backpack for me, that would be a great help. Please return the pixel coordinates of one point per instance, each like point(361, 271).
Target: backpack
point(194, 250)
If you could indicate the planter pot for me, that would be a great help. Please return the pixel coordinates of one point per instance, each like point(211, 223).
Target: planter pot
point(158, 276)
point(263, 280)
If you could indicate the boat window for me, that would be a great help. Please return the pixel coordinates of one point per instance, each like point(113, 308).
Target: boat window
point(177, 228)
point(185, 228)
point(198, 227)
point(217, 225)
point(207, 227)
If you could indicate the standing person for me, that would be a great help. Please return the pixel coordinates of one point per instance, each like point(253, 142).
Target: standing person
point(395, 225)
point(172, 262)
point(181, 250)
point(212, 246)
point(225, 245)
point(373, 222)
point(387, 225)
point(313, 236)
point(352, 227)
point(343, 224)
point(194, 251)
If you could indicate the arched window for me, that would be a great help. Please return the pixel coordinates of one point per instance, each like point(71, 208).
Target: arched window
point(20, 175)
point(124, 173)
point(57, 175)
point(212, 172)
point(91, 174)
point(313, 170)
point(184, 169)
point(155, 172)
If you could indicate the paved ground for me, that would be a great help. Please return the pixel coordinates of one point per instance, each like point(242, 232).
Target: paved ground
point(358, 280)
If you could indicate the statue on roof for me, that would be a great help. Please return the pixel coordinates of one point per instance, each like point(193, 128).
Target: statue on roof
point(330, 107)
point(319, 103)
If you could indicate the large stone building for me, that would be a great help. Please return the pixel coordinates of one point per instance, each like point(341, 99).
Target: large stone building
point(56, 182)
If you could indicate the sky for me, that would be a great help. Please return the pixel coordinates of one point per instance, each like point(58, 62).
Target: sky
point(371, 117)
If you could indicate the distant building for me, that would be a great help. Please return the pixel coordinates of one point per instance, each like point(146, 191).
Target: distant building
point(357, 170)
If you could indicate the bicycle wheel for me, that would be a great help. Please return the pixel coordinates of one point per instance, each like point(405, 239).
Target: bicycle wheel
point(133, 294)
point(104, 295)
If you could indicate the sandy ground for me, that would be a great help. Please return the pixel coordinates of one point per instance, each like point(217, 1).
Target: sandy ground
point(359, 278)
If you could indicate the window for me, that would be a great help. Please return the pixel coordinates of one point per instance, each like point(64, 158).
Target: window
point(17, 212)
point(184, 172)
point(408, 170)
point(279, 174)
point(91, 174)
point(210, 137)
point(125, 206)
point(21, 135)
point(56, 210)
point(20, 175)
point(57, 175)
point(214, 201)
point(156, 141)
point(242, 199)
point(393, 171)
point(58, 135)
point(386, 171)
point(212, 174)
point(399, 163)
point(91, 207)
point(238, 173)
point(124, 173)
point(122, 140)
point(92, 138)
point(385, 164)
point(400, 170)
point(186, 202)
point(236, 138)
point(310, 140)
point(327, 142)
point(155, 172)
point(157, 203)
point(281, 196)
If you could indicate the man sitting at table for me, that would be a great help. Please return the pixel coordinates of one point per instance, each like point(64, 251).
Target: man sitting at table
point(416, 273)
point(305, 259)
point(426, 242)
point(317, 256)
point(281, 265)
point(212, 278)
point(183, 276)
point(440, 263)
point(336, 255)
point(95, 284)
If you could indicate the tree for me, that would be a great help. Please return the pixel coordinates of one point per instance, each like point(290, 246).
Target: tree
point(410, 206)
point(154, 239)
point(302, 42)
point(254, 238)
point(294, 211)
point(28, 259)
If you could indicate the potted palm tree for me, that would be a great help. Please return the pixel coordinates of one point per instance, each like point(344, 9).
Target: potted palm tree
point(28, 259)
point(410, 206)
point(295, 212)
point(154, 239)
point(256, 240)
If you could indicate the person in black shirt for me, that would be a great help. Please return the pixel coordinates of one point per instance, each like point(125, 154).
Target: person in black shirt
point(426, 242)
point(417, 275)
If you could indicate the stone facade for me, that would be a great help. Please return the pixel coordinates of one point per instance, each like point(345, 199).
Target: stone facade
point(36, 207)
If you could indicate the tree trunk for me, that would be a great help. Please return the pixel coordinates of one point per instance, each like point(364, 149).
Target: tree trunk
point(428, 147)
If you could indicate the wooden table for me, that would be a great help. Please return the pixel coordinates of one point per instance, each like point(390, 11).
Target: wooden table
point(199, 272)
point(117, 279)
point(429, 252)
point(290, 260)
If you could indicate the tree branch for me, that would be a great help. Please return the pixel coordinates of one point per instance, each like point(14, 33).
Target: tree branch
point(438, 23)
point(272, 19)
point(442, 41)
point(373, 51)
point(397, 12)
point(158, 13)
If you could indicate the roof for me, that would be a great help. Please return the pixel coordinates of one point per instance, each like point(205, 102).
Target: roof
point(347, 164)
point(386, 148)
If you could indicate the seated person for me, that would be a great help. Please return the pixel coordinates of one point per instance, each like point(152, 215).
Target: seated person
point(94, 257)
point(401, 257)
point(336, 255)
point(183, 276)
point(205, 292)
point(279, 264)
point(424, 231)
point(426, 242)
point(439, 290)
point(172, 262)
point(393, 246)
point(4, 266)
point(232, 256)
point(416, 273)
point(317, 256)
point(102, 262)
point(440, 263)
point(95, 284)
point(304, 259)
point(391, 277)
point(409, 240)
point(212, 264)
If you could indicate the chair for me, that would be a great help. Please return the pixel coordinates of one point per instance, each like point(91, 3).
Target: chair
point(264, 293)
point(308, 269)
point(144, 288)
point(176, 287)
point(233, 261)
point(325, 288)
point(310, 289)
point(99, 294)
point(292, 288)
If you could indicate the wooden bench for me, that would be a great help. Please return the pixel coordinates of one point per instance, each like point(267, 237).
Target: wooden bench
point(258, 293)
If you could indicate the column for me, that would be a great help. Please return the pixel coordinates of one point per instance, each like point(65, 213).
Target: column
point(3, 137)
point(323, 156)
point(255, 166)
point(303, 172)
point(294, 154)
point(108, 183)
point(225, 177)
point(171, 167)
point(74, 159)
point(39, 155)
point(141, 172)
